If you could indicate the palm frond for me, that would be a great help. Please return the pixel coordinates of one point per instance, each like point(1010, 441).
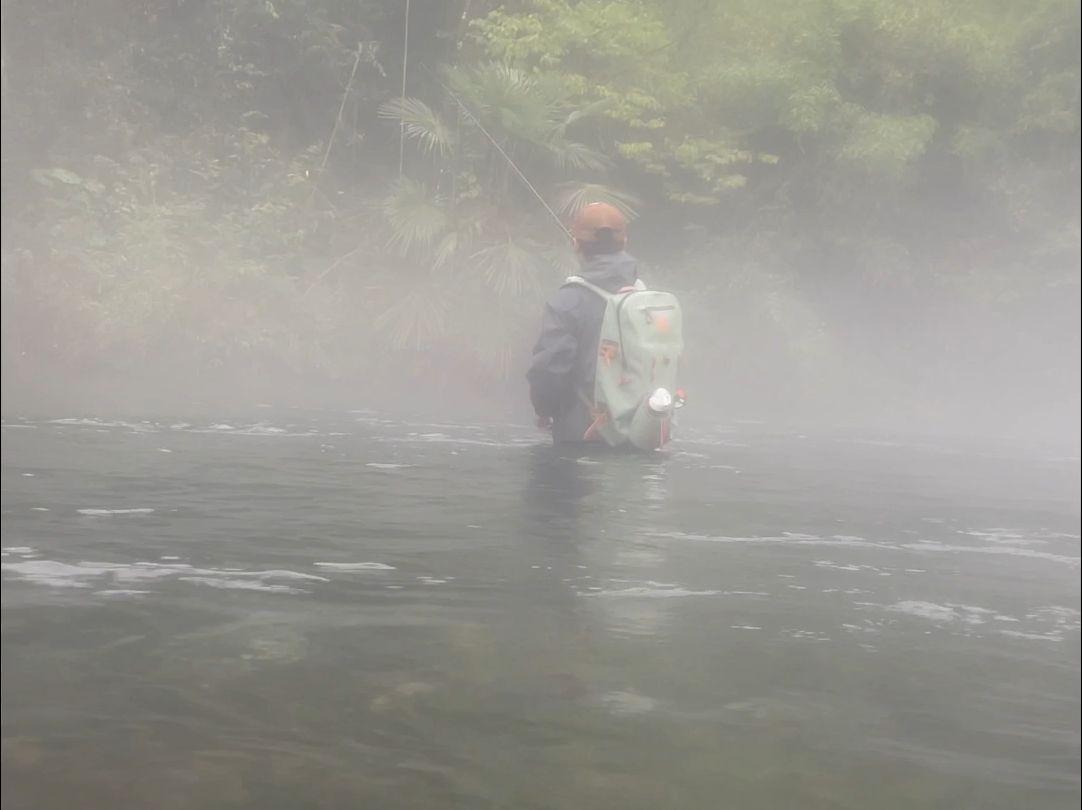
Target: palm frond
point(490, 86)
point(421, 124)
point(509, 267)
point(466, 230)
point(417, 319)
point(589, 111)
point(512, 104)
point(415, 216)
point(562, 260)
point(571, 154)
point(446, 250)
point(507, 101)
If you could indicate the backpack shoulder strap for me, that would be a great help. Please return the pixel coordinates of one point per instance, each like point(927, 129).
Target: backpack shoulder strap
point(579, 281)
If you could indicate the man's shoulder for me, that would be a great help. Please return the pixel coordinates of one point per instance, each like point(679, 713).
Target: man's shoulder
point(568, 297)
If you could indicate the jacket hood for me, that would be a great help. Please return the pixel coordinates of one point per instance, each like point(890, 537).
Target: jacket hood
point(611, 271)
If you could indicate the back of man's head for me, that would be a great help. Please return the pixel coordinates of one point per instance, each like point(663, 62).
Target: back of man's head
point(599, 228)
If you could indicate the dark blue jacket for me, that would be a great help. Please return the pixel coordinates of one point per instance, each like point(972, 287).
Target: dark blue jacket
point(565, 357)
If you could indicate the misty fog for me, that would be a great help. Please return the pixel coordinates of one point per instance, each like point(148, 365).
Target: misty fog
point(871, 214)
point(299, 507)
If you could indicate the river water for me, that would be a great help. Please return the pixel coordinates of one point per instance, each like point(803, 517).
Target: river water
point(336, 610)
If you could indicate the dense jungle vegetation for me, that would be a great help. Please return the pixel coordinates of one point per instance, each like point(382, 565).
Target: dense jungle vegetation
point(862, 202)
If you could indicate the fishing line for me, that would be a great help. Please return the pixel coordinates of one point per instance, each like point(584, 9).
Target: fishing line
point(500, 149)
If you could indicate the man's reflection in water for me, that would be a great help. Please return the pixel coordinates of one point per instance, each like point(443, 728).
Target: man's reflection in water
point(595, 521)
point(558, 518)
point(558, 495)
point(582, 520)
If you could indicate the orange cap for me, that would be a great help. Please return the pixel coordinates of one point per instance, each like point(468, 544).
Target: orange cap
point(596, 217)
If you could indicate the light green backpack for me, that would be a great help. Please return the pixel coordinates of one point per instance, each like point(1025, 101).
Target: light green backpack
point(638, 359)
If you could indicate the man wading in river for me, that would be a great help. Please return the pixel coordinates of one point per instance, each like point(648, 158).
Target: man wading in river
point(604, 368)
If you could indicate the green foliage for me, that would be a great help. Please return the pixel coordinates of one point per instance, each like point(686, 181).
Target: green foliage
point(146, 265)
point(171, 182)
point(420, 123)
point(416, 217)
point(525, 112)
point(886, 146)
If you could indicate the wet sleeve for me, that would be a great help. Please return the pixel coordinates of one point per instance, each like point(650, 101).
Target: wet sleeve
point(551, 374)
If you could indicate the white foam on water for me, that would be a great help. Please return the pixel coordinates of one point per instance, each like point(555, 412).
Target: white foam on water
point(39, 509)
point(240, 585)
point(111, 512)
point(19, 550)
point(945, 613)
point(137, 427)
point(1012, 537)
point(355, 566)
point(377, 465)
point(259, 430)
point(54, 574)
point(809, 635)
point(628, 703)
point(442, 438)
point(1032, 636)
point(1066, 618)
point(841, 566)
point(745, 627)
point(925, 610)
point(794, 538)
point(1012, 551)
point(994, 535)
point(650, 591)
point(121, 592)
point(264, 430)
